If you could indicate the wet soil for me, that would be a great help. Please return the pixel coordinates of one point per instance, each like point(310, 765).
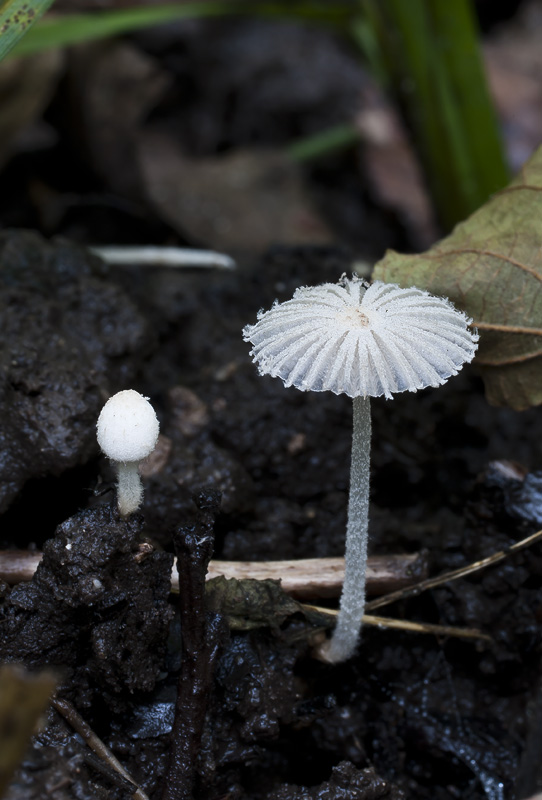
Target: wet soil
point(411, 715)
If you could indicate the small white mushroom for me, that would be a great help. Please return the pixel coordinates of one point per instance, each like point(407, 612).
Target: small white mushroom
point(364, 341)
point(127, 432)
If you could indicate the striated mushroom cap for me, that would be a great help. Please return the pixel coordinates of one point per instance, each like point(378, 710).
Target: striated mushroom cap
point(361, 340)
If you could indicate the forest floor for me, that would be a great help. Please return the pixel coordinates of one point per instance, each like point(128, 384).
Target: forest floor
point(147, 141)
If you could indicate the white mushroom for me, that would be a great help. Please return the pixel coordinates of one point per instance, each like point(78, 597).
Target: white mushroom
point(364, 341)
point(127, 432)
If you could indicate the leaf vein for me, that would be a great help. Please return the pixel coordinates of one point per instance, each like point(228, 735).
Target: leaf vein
point(488, 326)
point(491, 253)
point(503, 362)
point(527, 186)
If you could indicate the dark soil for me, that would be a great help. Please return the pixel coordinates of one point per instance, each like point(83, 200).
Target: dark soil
point(411, 715)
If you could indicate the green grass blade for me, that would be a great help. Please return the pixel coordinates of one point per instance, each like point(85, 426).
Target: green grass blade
point(16, 19)
point(339, 137)
point(74, 28)
point(431, 55)
point(468, 87)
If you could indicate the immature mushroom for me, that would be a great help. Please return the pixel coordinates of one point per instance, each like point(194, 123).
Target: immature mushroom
point(364, 341)
point(127, 432)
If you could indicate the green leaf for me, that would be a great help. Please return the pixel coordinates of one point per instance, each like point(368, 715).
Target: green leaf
point(74, 28)
point(491, 266)
point(69, 29)
point(16, 18)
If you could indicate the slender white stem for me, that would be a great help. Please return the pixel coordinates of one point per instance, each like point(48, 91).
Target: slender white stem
point(346, 634)
point(129, 487)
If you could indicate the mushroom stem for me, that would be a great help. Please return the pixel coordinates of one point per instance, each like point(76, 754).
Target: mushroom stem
point(346, 634)
point(129, 487)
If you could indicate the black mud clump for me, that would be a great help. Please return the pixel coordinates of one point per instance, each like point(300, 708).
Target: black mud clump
point(346, 782)
point(97, 608)
point(259, 695)
point(70, 338)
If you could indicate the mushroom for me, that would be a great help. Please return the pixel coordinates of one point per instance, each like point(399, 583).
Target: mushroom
point(127, 432)
point(364, 341)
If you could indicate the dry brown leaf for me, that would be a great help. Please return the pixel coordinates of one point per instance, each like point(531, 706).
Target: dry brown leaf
point(245, 200)
point(26, 87)
point(390, 165)
point(113, 87)
point(491, 266)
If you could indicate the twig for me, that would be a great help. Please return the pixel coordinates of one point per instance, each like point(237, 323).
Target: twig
point(407, 625)
point(302, 578)
point(314, 577)
point(323, 577)
point(17, 566)
point(81, 727)
point(201, 635)
point(163, 257)
point(446, 577)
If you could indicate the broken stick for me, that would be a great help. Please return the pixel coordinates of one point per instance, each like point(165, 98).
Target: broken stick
point(302, 578)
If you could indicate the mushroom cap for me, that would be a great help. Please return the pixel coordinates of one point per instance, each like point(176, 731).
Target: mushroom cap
point(361, 340)
point(127, 427)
